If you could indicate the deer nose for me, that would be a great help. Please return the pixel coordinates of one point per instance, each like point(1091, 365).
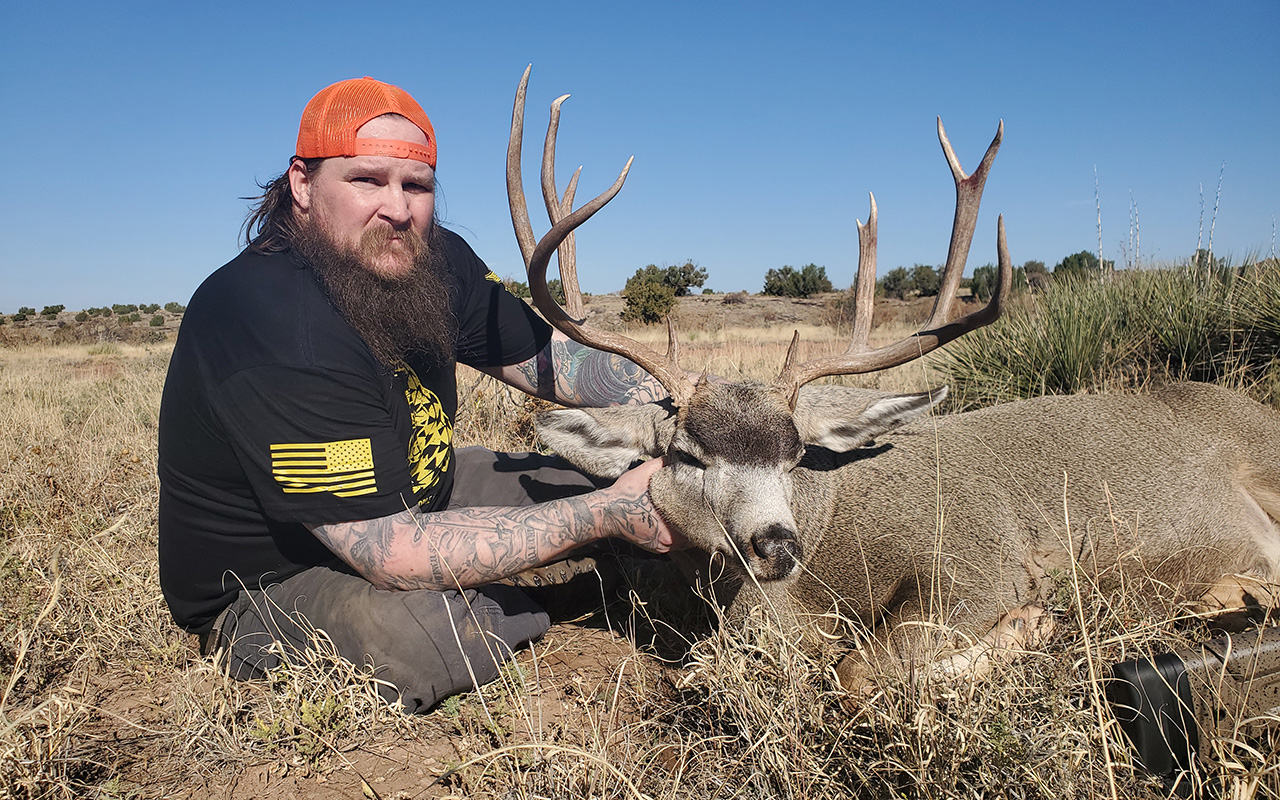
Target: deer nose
point(778, 548)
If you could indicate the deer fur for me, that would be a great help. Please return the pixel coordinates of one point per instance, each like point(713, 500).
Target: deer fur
point(865, 504)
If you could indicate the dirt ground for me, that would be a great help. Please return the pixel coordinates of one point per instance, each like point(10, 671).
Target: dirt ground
point(576, 666)
point(578, 689)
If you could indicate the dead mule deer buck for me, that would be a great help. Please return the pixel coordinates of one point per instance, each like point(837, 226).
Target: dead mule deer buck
point(845, 511)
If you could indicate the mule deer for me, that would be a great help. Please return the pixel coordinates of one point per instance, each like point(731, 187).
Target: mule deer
point(844, 509)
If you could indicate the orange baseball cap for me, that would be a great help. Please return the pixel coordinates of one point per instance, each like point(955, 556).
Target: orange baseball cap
point(331, 119)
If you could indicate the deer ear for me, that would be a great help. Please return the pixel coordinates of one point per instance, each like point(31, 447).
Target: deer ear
point(842, 421)
point(606, 441)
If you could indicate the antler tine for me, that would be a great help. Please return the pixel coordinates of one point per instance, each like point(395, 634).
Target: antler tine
point(549, 194)
point(794, 375)
point(664, 369)
point(937, 331)
point(567, 255)
point(515, 183)
point(864, 293)
point(557, 209)
point(968, 198)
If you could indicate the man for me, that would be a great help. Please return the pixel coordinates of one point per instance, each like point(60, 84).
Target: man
point(307, 475)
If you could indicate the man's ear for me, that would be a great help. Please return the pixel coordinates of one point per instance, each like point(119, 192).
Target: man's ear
point(300, 184)
point(843, 420)
point(606, 441)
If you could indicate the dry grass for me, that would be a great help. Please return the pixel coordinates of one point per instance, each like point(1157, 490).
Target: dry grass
point(104, 697)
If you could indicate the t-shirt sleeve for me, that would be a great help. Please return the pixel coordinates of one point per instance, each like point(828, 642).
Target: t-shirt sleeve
point(495, 328)
point(317, 446)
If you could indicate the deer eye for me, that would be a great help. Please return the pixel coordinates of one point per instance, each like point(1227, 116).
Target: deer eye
point(796, 458)
point(683, 457)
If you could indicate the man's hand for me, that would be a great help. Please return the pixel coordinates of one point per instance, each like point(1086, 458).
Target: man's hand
point(649, 531)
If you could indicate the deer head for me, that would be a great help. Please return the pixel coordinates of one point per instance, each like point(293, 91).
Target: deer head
point(732, 448)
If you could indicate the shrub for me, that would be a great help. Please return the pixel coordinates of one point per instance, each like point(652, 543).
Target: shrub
point(651, 292)
point(1204, 259)
point(119, 308)
point(685, 276)
point(556, 289)
point(83, 316)
point(151, 308)
point(647, 301)
point(174, 307)
point(983, 283)
point(679, 278)
point(157, 321)
point(20, 317)
point(895, 283)
point(1084, 262)
point(517, 288)
point(708, 290)
point(52, 311)
point(925, 280)
point(27, 311)
point(790, 282)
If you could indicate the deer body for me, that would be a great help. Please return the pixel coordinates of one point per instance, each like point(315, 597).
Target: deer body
point(970, 516)
point(961, 518)
point(821, 499)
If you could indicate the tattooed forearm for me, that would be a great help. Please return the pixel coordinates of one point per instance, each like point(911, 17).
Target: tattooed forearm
point(473, 546)
point(576, 375)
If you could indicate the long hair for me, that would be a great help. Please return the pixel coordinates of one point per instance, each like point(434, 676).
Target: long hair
point(270, 226)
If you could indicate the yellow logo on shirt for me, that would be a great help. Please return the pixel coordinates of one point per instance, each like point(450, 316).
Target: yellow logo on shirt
point(432, 444)
point(344, 468)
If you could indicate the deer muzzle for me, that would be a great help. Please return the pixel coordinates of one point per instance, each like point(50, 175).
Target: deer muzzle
point(779, 552)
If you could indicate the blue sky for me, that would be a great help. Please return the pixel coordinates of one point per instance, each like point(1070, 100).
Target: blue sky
point(132, 130)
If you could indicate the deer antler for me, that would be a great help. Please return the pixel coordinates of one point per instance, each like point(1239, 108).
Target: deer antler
point(937, 331)
point(537, 254)
point(566, 254)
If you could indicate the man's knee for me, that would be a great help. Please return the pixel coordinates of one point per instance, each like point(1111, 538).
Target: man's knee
point(422, 645)
point(453, 642)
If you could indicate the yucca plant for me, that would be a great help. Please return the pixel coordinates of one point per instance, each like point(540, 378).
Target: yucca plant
point(1070, 339)
point(1257, 305)
point(1129, 329)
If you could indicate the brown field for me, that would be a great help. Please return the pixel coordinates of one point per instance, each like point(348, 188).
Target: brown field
point(102, 696)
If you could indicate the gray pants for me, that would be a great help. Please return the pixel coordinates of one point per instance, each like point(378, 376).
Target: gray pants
point(426, 644)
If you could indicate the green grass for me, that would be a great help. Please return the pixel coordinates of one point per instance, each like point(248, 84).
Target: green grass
point(1124, 331)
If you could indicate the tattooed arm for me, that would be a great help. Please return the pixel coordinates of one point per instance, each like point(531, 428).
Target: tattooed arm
point(468, 547)
point(573, 374)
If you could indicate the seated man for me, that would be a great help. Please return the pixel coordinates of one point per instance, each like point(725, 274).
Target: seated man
point(307, 474)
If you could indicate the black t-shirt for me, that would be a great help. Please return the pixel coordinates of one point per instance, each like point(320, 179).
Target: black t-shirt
point(276, 413)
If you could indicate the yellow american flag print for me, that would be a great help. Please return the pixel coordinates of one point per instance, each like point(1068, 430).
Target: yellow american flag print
point(344, 468)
